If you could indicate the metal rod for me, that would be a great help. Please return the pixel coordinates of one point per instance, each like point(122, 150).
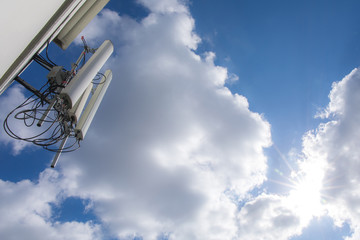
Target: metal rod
point(57, 155)
point(31, 88)
point(46, 113)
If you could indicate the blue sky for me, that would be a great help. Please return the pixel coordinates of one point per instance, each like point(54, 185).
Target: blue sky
point(208, 129)
point(286, 54)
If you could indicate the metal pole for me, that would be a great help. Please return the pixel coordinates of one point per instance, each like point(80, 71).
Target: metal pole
point(51, 105)
point(57, 155)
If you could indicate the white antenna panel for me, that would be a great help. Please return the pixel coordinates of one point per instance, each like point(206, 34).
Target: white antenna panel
point(90, 110)
point(75, 112)
point(73, 91)
point(78, 22)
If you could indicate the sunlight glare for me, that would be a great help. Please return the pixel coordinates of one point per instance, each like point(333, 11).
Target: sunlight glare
point(305, 198)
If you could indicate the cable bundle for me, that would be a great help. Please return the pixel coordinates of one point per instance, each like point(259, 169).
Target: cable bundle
point(37, 108)
point(49, 109)
point(56, 126)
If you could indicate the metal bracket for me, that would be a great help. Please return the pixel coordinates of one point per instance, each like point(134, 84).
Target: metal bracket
point(31, 89)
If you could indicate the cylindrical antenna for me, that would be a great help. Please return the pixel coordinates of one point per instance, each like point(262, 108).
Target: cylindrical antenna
point(75, 112)
point(73, 91)
point(90, 110)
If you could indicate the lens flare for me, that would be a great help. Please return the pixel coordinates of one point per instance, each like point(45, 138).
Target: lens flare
point(306, 184)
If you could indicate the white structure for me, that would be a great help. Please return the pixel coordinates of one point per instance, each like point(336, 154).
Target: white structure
point(75, 112)
point(35, 23)
point(90, 110)
point(77, 23)
point(73, 91)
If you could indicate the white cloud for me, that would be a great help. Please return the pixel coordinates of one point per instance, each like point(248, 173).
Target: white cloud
point(13, 97)
point(272, 216)
point(326, 179)
point(171, 149)
point(25, 212)
point(103, 24)
point(165, 6)
point(232, 78)
point(269, 217)
point(335, 144)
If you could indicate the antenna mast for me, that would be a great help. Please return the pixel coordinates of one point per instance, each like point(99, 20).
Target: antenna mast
point(64, 107)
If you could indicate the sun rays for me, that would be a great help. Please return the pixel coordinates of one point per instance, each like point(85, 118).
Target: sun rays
point(305, 186)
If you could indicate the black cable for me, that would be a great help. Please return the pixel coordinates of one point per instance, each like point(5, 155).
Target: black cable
point(47, 55)
point(60, 130)
point(98, 76)
point(57, 125)
point(66, 149)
